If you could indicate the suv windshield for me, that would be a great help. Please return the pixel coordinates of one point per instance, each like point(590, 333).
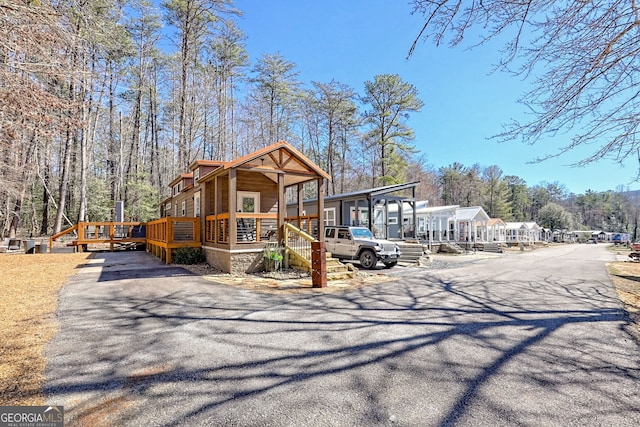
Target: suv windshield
point(364, 233)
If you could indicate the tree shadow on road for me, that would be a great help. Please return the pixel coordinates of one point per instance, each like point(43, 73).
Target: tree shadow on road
point(421, 351)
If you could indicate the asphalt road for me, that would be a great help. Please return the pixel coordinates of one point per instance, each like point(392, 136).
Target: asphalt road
point(525, 339)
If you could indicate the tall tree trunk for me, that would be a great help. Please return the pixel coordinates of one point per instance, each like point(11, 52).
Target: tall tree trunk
point(44, 224)
point(64, 180)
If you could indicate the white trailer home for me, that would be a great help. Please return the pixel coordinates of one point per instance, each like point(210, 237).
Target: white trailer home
point(523, 232)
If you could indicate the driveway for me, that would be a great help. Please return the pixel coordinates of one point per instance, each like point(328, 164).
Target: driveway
point(530, 339)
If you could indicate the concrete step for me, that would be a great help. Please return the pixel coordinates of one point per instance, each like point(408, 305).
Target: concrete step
point(493, 247)
point(411, 252)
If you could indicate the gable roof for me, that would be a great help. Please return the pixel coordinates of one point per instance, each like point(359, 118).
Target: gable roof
point(182, 176)
point(496, 221)
point(275, 159)
point(517, 226)
point(471, 213)
point(278, 155)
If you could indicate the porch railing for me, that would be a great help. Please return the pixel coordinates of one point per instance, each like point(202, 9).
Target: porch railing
point(250, 227)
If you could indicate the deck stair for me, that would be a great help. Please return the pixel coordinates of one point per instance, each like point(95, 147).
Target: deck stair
point(335, 269)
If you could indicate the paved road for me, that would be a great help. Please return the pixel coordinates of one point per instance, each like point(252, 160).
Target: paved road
point(529, 339)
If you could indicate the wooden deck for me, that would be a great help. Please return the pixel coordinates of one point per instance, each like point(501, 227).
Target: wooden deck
point(160, 236)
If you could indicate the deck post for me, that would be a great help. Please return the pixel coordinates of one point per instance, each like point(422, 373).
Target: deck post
point(80, 235)
point(111, 236)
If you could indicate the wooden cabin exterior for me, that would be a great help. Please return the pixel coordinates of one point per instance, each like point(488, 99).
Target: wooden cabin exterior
point(241, 204)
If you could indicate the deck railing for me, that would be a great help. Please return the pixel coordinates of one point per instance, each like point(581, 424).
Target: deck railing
point(111, 233)
point(168, 233)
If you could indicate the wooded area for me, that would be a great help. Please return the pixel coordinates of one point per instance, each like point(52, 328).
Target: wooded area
point(108, 100)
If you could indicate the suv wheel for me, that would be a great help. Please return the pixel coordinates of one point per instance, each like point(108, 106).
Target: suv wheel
point(368, 259)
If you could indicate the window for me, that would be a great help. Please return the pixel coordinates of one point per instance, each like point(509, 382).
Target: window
point(362, 218)
point(196, 204)
point(330, 216)
point(330, 232)
point(248, 201)
point(184, 208)
point(343, 233)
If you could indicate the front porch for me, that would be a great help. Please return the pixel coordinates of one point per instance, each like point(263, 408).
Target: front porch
point(244, 203)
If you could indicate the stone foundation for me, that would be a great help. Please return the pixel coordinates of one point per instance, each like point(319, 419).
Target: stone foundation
point(247, 261)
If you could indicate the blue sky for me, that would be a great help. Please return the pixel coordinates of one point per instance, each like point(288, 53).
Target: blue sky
point(351, 41)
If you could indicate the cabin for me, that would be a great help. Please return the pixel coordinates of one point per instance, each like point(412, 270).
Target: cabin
point(240, 205)
point(496, 230)
point(435, 223)
point(379, 209)
point(472, 224)
point(523, 232)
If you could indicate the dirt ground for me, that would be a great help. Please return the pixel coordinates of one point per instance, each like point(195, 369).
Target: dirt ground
point(29, 295)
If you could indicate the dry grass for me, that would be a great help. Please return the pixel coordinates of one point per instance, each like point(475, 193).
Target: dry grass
point(626, 279)
point(29, 289)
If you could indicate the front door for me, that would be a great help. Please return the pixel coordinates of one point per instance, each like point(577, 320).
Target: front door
point(249, 203)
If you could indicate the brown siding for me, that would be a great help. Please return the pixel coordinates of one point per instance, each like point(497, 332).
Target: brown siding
point(186, 196)
point(252, 181)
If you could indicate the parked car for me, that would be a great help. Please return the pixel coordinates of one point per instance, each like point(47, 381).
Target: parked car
point(592, 240)
point(359, 243)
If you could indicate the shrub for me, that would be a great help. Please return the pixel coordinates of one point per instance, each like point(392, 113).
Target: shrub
point(188, 256)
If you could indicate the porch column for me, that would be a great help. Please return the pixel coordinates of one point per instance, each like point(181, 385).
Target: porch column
point(321, 209)
point(233, 207)
point(356, 214)
point(415, 215)
point(282, 209)
point(213, 208)
point(300, 204)
point(203, 212)
point(400, 204)
point(386, 219)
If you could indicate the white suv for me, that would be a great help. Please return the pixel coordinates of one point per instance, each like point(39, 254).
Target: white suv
point(359, 243)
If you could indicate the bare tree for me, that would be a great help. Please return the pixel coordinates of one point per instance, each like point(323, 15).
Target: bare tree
point(33, 62)
point(193, 19)
point(583, 56)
